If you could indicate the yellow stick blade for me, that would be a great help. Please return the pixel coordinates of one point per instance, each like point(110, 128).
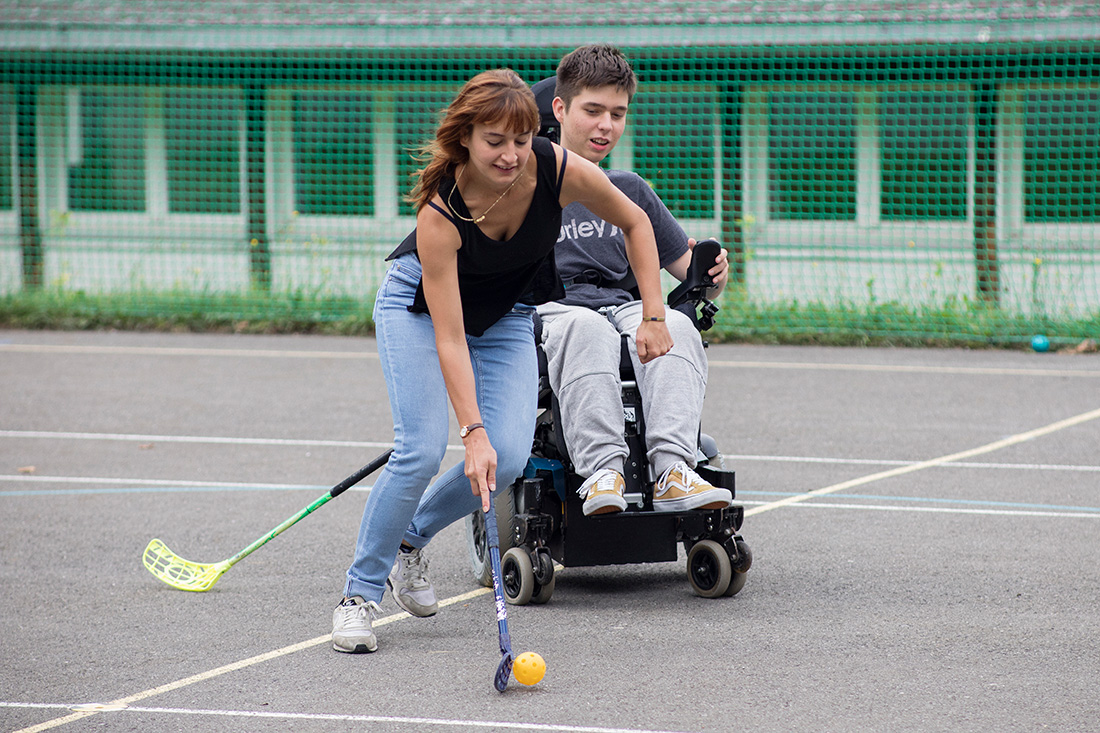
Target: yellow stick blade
point(179, 573)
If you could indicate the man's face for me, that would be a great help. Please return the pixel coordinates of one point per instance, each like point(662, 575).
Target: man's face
point(593, 122)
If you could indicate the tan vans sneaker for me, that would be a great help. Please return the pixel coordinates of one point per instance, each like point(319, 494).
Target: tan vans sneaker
point(680, 489)
point(603, 492)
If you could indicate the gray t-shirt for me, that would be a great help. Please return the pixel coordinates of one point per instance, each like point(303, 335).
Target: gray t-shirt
point(588, 244)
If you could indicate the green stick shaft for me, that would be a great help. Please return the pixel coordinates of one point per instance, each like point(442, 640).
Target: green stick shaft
point(340, 488)
point(278, 530)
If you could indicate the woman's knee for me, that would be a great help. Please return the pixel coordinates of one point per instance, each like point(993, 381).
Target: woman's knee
point(511, 461)
point(420, 460)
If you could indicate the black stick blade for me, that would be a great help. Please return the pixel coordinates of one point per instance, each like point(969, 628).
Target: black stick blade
point(504, 671)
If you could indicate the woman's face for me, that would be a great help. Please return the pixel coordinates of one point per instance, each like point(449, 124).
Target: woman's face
point(497, 154)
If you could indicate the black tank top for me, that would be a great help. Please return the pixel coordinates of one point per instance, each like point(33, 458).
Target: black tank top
point(492, 275)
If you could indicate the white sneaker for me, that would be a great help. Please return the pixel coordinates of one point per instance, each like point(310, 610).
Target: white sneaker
point(409, 584)
point(680, 489)
point(351, 626)
point(603, 492)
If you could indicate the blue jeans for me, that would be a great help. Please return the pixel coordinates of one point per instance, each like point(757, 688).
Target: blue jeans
point(506, 376)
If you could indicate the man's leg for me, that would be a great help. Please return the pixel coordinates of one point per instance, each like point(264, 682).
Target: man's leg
point(672, 388)
point(582, 351)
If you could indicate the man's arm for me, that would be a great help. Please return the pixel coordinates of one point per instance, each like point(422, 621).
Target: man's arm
point(670, 235)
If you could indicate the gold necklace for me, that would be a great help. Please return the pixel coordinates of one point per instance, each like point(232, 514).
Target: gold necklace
point(481, 218)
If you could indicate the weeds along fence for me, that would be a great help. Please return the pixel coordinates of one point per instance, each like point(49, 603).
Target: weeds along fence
point(919, 177)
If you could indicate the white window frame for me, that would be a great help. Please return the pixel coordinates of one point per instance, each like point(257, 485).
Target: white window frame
point(9, 218)
point(156, 221)
point(1017, 233)
point(868, 227)
point(387, 225)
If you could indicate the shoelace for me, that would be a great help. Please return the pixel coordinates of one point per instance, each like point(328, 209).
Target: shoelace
point(414, 566)
point(361, 610)
point(689, 477)
point(604, 481)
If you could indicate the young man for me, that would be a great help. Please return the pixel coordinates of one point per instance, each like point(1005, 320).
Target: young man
point(582, 332)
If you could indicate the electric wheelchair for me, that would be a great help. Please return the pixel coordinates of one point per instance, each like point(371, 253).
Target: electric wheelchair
point(540, 516)
point(541, 519)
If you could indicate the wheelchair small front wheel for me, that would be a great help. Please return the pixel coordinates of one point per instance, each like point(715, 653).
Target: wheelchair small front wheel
point(709, 569)
point(737, 582)
point(517, 576)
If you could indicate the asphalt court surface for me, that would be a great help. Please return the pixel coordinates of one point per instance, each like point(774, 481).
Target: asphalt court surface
point(924, 523)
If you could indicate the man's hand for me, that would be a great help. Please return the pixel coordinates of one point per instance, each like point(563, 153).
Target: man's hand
point(720, 272)
point(653, 340)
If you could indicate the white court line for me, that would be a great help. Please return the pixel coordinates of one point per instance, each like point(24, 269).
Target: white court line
point(184, 351)
point(921, 465)
point(207, 439)
point(945, 510)
point(717, 363)
point(905, 368)
point(150, 482)
point(894, 462)
point(488, 724)
point(312, 443)
point(233, 667)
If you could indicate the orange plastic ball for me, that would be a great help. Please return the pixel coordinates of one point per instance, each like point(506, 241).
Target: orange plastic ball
point(529, 668)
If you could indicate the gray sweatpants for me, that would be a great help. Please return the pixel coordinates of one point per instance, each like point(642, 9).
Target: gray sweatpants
point(582, 348)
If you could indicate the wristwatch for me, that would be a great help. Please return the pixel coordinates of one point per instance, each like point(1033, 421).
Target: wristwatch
point(467, 429)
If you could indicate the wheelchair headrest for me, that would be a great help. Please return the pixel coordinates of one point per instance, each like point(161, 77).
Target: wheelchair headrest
point(544, 96)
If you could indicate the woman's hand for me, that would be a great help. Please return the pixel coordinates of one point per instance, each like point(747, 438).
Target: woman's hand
point(653, 340)
point(481, 466)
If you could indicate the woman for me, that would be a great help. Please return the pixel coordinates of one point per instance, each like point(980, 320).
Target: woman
point(453, 320)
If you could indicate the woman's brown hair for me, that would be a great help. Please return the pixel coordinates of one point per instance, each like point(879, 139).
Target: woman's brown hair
point(496, 96)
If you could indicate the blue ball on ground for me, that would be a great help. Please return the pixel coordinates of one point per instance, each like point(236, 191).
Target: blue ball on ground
point(1040, 343)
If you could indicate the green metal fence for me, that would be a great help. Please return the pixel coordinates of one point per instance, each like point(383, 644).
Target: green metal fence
point(889, 190)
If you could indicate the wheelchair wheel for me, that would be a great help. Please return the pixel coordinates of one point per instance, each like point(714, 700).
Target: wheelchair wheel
point(737, 582)
point(517, 576)
point(740, 568)
point(543, 592)
point(543, 567)
point(709, 569)
point(478, 545)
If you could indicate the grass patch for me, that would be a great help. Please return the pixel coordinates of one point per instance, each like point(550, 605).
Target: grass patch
point(740, 320)
point(891, 324)
point(159, 311)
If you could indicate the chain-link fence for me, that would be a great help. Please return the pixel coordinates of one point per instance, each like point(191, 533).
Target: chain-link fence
point(903, 171)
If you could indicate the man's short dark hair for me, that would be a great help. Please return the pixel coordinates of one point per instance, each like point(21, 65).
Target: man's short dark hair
point(592, 66)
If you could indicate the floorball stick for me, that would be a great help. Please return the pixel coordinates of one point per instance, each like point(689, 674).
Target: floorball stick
point(504, 671)
point(186, 575)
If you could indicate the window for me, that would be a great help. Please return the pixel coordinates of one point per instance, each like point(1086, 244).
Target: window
point(146, 151)
point(333, 169)
point(106, 150)
point(812, 156)
point(7, 158)
point(203, 151)
point(1061, 156)
point(674, 133)
point(924, 148)
point(858, 158)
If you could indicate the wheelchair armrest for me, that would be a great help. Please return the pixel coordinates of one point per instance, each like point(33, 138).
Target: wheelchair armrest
point(690, 296)
point(694, 286)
